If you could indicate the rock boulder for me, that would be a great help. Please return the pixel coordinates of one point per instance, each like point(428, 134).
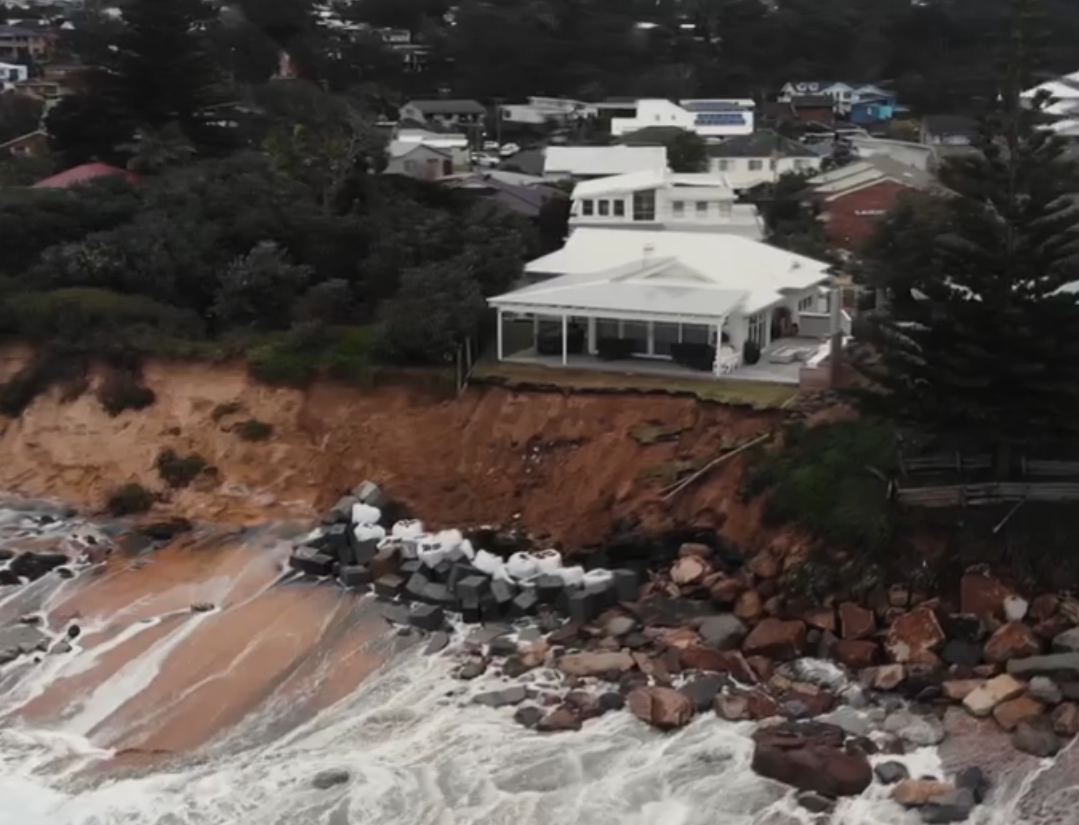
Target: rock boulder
point(661, 707)
point(1014, 640)
point(914, 635)
point(595, 664)
point(810, 756)
point(981, 701)
point(776, 639)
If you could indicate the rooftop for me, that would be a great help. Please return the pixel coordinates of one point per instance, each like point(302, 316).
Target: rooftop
point(598, 161)
point(648, 179)
point(676, 274)
point(764, 143)
point(82, 174)
point(449, 107)
point(865, 172)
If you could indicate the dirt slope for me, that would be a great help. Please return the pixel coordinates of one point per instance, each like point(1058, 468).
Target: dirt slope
point(567, 466)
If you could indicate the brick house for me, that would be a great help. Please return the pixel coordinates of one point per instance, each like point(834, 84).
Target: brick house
point(852, 199)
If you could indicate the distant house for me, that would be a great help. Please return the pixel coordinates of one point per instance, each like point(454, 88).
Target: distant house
point(872, 109)
point(905, 152)
point(13, 73)
point(418, 160)
point(853, 198)
point(83, 174)
point(1065, 93)
point(651, 136)
point(760, 158)
point(843, 95)
point(21, 43)
point(707, 118)
point(660, 199)
point(948, 130)
point(33, 144)
point(817, 109)
point(445, 113)
point(584, 162)
point(524, 200)
point(542, 110)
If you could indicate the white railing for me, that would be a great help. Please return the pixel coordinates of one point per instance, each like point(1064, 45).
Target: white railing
point(727, 361)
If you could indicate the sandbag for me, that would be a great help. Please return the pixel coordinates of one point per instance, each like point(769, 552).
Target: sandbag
point(365, 514)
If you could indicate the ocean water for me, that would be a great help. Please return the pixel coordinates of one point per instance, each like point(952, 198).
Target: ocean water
point(162, 716)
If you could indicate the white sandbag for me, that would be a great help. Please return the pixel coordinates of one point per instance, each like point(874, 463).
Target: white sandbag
point(449, 539)
point(547, 561)
point(521, 566)
point(368, 532)
point(430, 553)
point(407, 529)
point(365, 514)
point(466, 550)
point(572, 576)
point(597, 581)
point(488, 563)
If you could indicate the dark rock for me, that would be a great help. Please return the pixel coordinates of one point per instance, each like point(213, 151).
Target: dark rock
point(889, 773)
point(1067, 642)
point(513, 695)
point(202, 607)
point(73, 631)
point(469, 588)
point(724, 632)
point(167, 530)
point(583, 606)
point(502, 646)
point(410, 567)
point(1060, 666)
point(636, 640)
point(387, 587)
point(416, 587)
point(810, 756)
point(515, 667)
point(31, 619)
point(975, 781)
point(426, 617)
point(7, 578)
point(568, 634)
point(395, 613)
point(953, 806)
point(472, 670)
point(611, 701)
point(528, 715)
point(562, 718)
point(311, 564)
point(814, 802)
point(440, 595)
point(1036, 737)
point(524, 603)
point(327, 779)
point(363, 551)
point(354, 575)
point(702, 691)
point(33, 566)
point(548, 588)
point(663, 611)
point(503, 593)
point(439, 641)
point(625, 586)
point(64, 572)
point(957, 652)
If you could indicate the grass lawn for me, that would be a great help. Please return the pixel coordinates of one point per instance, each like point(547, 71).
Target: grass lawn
point(757, 394)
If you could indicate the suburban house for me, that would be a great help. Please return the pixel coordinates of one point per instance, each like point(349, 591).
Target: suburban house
point(843, 95)
point(13, 73)
point(20, 44)
point(445, 113)
point(418, 160)
point(872, 109)
point(1065, 93)
point(663, 200)
point(33, 144)
point(584, 162)
point(816, 109)
point(525, 200)
point(707, 303)
point(761, 157)
point(708, 118)
point(403, 43)
point(84, 174)
point(948, 130)
point(853, 198)
point(539, 111)
point(919, 155)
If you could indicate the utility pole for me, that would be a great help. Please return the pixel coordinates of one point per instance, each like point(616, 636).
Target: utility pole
point(498, 121)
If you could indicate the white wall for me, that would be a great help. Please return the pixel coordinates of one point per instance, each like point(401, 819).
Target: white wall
point(678, 208)
point(745, 173)
point(660, 112)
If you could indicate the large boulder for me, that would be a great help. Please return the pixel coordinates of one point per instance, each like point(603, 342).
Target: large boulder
point(1036, 737)
point(983, 597)
point(914, 635)
point(595, 664)
point(660, 707)
point(810, 756)
point(855, 622)
point(1014, 640)
point(981, 701)
point(710, 660)
point(951, 806)
point(1061, 666)
point(1067, 642)
point(914, 793)
point(1065, 720)
point(776, 639)
point(1009, 714)
point(724, 632)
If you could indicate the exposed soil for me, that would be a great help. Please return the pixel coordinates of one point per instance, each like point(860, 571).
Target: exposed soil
point(566, 466)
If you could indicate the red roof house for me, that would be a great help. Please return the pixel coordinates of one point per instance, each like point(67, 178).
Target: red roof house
point(83, 174)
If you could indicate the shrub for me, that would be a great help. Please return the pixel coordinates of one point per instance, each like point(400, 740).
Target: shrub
point(129, 499)
point(43, 371)
point(350, 357)
point(121, 389)
point(280, 364)
point(751, 352)
point(254, 430)
point(179, 471)
point(223, 410)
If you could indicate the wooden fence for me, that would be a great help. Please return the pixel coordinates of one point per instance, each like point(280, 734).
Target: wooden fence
point(962, 495)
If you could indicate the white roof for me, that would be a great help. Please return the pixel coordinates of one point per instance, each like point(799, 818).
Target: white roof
point(400, 148)
point(604, 160)
point(663, 274)
point(650, 179)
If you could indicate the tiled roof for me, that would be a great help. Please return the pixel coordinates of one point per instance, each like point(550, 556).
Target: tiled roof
point(82, 174)
point(764, 143)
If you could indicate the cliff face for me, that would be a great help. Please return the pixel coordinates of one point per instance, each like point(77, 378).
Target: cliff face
point(563, 465)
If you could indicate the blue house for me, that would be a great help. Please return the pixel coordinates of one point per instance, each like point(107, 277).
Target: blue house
point(872, 109)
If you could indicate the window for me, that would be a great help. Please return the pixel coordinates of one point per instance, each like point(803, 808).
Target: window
point(756, 165)
point(410, 167)
point(619, 209)
point(644, 205)
point(586, 207)
point(806, 304)
point(772, 164)
point(702, 208)
point(800, 164)
point(604, 207)
point(725, 209)
point(678, 208)
point(724, 166)
point(447, 167)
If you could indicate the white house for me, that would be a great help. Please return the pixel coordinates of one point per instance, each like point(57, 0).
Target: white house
point(708, 118)
point(663, 200)
point(13, 73)
point(418, 160)
point(1064, 91)
point(540, 110)
point(843, 95)
point(601, 161)
point(708, 301)
point(761, 157)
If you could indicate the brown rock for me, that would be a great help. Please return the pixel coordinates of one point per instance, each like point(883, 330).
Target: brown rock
point(764, 565)
point(1069, 609)
point(959, 689)
point(768, 588)
point(562, 718)
point(1065, 720)
point(987, 671)
point(822, 619)
point(661, 707)
point(1009, 714)
point(748, 606)
point(815, 700)
point(726, 591)
point(1043, 607)
point(888, 677)
point(699, 657)
point(762, 666)
point(914, 793)
point(776, 639)
point(913, 634)
point(595, 664)
point(855, 653)
point(1012, 641)
point(586, 705)
point(1052, 627)
point(981, 701)
point(534, 654)
point(855, 622)
point(677, 637)
point(762, 705)
point(731, 706)
point(983, 597)
point(689, 570)
point(567, 634)
point(701, 551)
point(385, 563)
point(810, 757)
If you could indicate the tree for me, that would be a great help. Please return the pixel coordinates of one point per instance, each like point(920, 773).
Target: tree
point(153, 151)
point(687, 152)
point(790, 222)
point(19, 115)
point(990, 349)
point(258, 290)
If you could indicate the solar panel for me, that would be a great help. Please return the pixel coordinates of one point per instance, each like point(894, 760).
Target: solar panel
point(711, 106)
point(721, 119)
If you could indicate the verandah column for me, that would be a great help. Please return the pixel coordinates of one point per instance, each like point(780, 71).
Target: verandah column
point(499, 334)
point(565, 339)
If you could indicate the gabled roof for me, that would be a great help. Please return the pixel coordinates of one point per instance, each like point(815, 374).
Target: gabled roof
point(649, 179)
point(672, 274)
point(764, 143)
point(867, 172)
point(598, 161)
point(37, 133)
point(651, 136)
point(448, 107)
point(524, 200)
point(403, 148)
point(812, 101)
point(83, 174)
